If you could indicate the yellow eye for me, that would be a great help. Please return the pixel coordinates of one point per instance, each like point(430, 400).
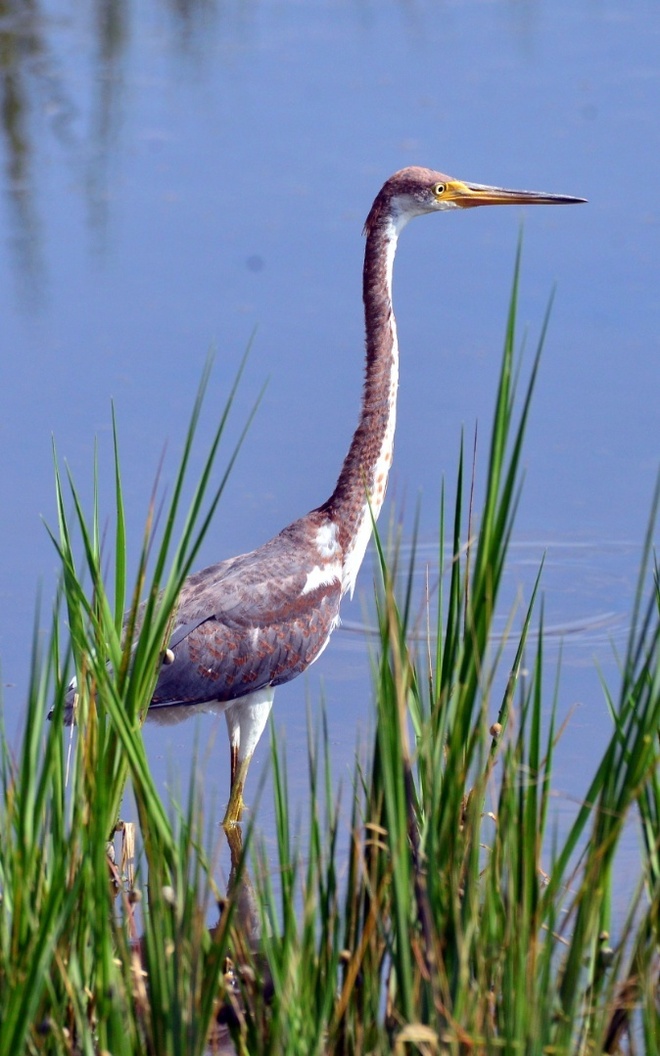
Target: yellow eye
point(439, 189)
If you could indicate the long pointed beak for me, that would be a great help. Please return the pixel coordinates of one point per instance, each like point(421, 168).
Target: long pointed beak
point(467, 195)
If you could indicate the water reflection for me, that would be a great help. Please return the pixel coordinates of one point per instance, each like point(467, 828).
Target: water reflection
point(21, 48)
point(43, 96)
point(40, 95)
point(112, 35)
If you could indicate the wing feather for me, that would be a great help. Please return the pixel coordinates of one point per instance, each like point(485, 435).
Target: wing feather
point(251, 622)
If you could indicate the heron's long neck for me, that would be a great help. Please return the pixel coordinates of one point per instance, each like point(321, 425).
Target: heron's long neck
point(360, 489)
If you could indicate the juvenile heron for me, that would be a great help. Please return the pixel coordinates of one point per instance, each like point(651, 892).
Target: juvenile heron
point(251, 623)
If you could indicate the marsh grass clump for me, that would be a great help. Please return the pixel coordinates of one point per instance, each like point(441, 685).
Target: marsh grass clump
point(458, 921)
point(86, 963)
point(465, 923)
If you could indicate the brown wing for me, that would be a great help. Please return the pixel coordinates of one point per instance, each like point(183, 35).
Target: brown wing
point(250, 622)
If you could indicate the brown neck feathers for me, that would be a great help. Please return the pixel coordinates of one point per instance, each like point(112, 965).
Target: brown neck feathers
point(363, 475)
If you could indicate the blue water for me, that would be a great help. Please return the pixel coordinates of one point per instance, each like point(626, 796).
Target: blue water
point(180, 177)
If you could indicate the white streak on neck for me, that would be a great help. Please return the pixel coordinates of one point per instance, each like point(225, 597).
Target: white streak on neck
point(373, 504)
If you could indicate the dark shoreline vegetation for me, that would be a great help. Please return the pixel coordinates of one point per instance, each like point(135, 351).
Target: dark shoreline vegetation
point(461, 921)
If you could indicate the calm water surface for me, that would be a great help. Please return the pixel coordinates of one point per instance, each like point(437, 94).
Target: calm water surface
point(175, 175)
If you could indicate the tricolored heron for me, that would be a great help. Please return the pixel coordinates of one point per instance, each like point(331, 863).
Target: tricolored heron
point(251, 623)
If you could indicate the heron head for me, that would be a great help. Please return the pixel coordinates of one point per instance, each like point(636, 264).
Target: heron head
point(414, 191)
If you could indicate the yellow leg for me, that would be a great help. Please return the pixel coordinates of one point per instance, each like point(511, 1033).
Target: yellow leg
point(233, 763)
point(246, 719)
point(235, 806)
point(234, 835)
